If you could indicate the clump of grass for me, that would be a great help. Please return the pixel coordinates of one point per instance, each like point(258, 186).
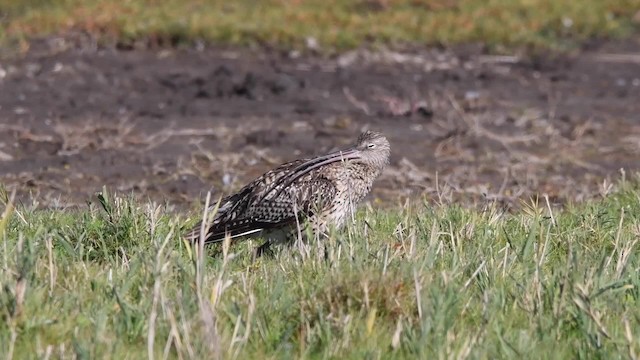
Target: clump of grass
point(334, 24)
point(420, 282)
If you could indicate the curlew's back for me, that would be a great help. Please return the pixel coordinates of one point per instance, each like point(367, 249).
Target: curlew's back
point(265, 203)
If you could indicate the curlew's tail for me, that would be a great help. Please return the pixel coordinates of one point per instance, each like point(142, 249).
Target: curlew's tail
point(213, 216)
point(195, 233)
point(215, 234)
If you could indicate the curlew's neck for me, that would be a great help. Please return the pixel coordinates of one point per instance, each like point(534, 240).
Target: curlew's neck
point(362, 175)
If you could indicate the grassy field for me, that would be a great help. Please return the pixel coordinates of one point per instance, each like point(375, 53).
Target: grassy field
point(428, 281)
point(333, 24)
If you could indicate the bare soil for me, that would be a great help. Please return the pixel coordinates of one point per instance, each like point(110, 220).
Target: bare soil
point(170, 125)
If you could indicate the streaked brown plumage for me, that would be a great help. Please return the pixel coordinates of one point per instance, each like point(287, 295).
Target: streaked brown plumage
point(323, 190)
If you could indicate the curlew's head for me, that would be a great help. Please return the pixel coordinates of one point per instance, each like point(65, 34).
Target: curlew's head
point(373, 149)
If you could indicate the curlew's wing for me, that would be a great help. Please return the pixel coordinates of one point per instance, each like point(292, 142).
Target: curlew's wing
point(258, 207)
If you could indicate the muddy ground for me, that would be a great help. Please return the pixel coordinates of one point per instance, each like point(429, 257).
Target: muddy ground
point(170, 125)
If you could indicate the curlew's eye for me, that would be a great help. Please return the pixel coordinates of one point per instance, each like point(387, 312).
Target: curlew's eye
point(371, 146)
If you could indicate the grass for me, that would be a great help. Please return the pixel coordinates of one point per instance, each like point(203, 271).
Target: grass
point(334, 24)
point(430, 281)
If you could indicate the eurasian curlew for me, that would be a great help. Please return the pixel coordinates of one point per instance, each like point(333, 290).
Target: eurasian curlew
point(322, 192)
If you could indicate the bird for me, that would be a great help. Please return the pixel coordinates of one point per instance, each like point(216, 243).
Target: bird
point(321, 192)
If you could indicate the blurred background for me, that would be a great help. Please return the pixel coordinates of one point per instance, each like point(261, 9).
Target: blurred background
point(482, 100)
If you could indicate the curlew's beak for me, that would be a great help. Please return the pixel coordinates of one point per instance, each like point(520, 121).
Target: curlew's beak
point(342, 155)
point(305, 168)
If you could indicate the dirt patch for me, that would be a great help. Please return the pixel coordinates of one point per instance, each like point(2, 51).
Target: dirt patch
point(171, 125)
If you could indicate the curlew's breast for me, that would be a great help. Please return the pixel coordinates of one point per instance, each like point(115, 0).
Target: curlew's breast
point(352, 182)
